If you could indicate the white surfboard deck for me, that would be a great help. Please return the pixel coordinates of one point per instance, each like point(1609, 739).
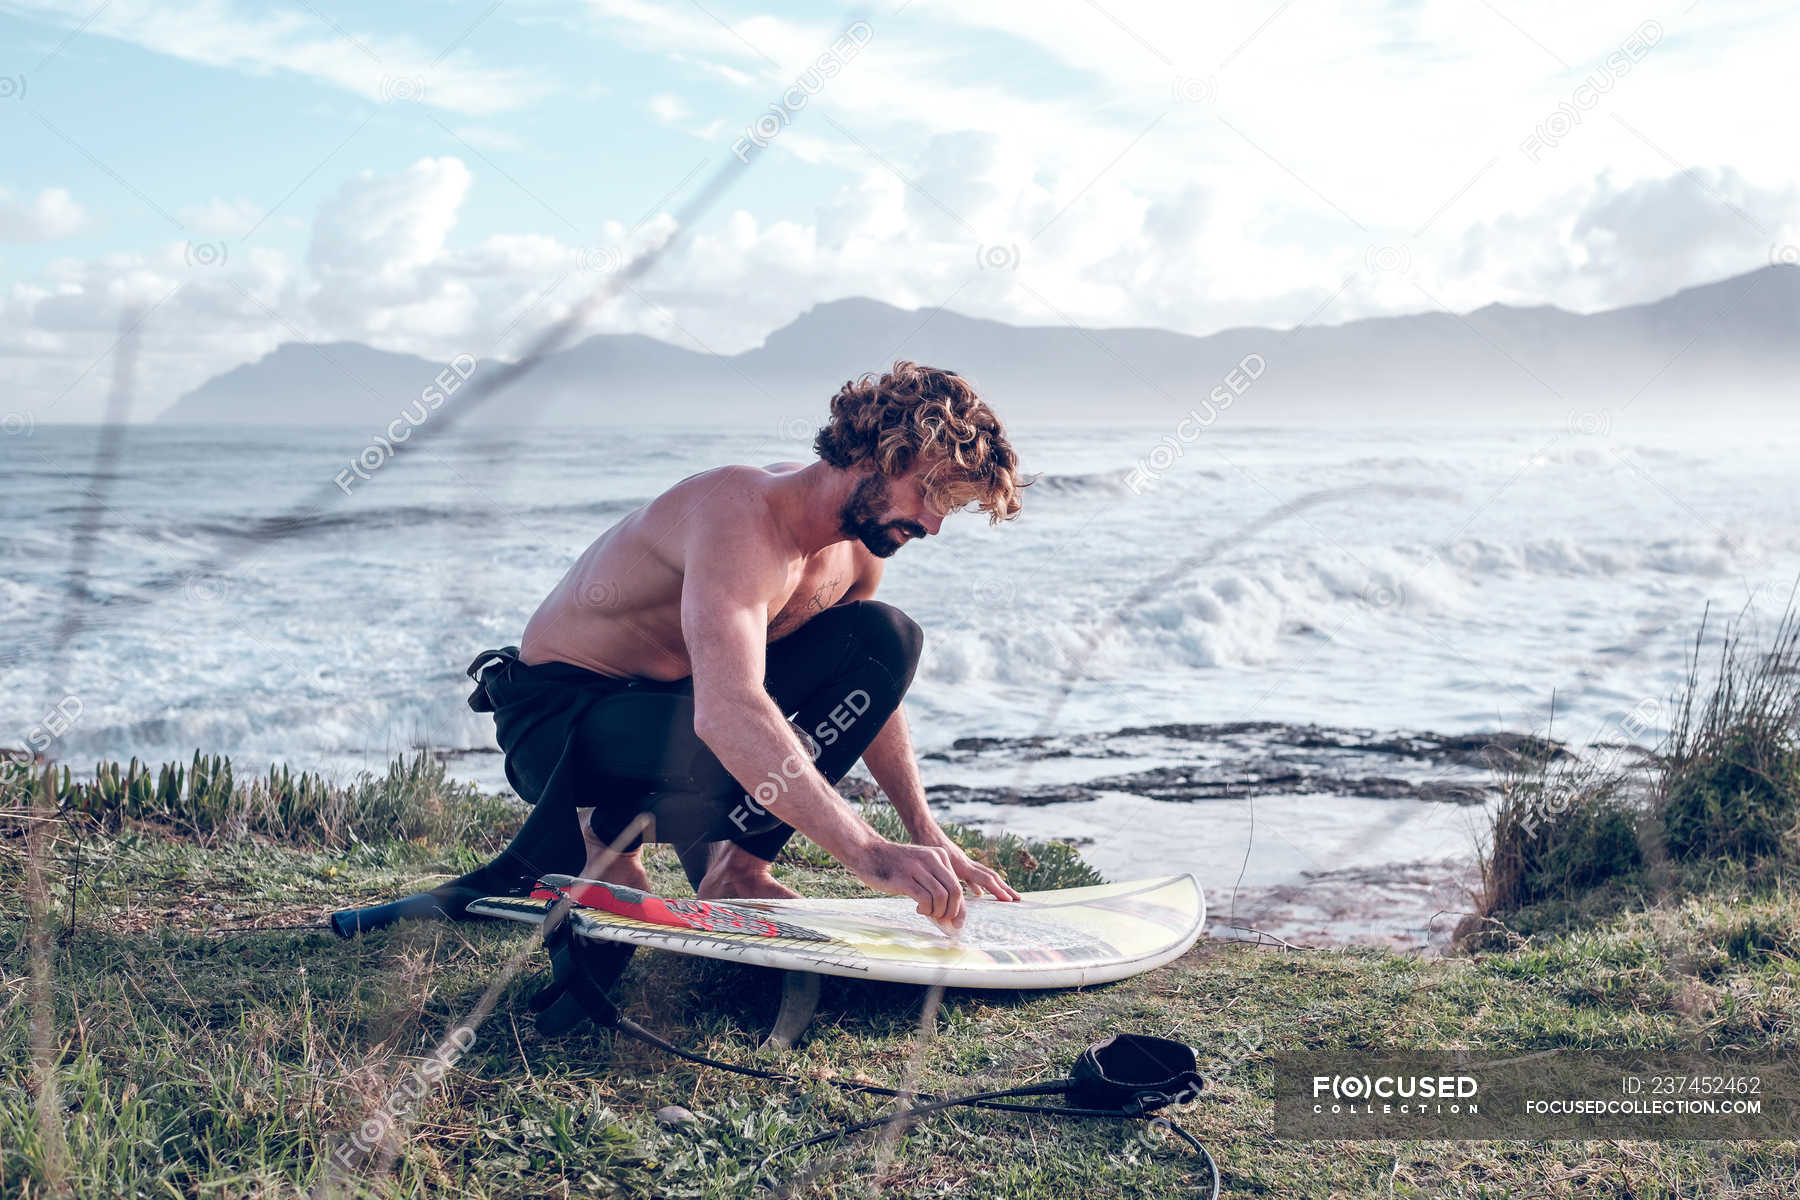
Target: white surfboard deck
point(1056, 939)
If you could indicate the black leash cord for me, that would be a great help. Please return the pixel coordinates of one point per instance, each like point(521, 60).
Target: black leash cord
point(627, 1025)
point(982, 1100)
point(989, 1100)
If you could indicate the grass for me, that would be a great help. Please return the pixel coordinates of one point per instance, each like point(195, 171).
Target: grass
point(1731, 784)
point(201, 1049)
point(1564, 826)
point(1576, 837)
point(415, 799)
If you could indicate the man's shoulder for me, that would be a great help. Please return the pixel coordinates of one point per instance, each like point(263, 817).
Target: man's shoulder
point(730, 498)
point(739, 474)
point(733, 483)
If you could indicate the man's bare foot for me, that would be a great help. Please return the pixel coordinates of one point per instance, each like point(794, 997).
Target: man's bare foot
point(624, 869)
point(735, 874)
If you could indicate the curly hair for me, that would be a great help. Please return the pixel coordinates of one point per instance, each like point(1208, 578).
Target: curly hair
point(923, 414)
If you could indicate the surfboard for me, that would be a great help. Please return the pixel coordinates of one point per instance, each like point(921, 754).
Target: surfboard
point(1055, 939)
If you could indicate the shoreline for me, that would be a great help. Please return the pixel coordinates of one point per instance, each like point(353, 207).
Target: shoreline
point(1318, 835)
point(194, 984)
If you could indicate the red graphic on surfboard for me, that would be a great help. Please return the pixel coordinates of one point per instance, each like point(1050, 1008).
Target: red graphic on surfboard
point(702, 915)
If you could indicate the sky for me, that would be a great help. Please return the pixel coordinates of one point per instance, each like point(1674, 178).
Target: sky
point(445, 179)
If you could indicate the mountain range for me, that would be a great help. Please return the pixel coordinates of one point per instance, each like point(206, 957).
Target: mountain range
point(1726, 348)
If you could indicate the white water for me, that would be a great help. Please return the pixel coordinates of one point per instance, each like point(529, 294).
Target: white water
point(1446, 581)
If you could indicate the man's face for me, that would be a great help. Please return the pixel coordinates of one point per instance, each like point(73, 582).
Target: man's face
point(885, 514)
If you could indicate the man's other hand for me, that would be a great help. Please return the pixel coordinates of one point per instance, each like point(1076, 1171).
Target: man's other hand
point(985, 880)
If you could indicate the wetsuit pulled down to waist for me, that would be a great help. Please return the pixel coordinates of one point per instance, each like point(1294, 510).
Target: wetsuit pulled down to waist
point(574, 738)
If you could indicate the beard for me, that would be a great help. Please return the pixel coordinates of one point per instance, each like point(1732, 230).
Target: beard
point(861, 519)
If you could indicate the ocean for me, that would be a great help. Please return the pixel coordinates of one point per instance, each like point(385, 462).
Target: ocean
point(1195, 650)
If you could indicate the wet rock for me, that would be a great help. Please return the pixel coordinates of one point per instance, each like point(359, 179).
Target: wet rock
point(1445, 792)
point(1237, 759)
point(950, 793)
point(1478, 750)
point(1191, 784)
point(1188, 732)
point(855, 787)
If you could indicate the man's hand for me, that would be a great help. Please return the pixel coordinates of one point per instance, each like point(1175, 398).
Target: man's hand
point(984, 880)
point(922, 873)
point(891, 761)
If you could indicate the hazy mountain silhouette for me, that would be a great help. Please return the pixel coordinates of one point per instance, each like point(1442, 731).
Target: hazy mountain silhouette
point(1726, 348)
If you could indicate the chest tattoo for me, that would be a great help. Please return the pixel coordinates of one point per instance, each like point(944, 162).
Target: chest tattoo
point(824, 596)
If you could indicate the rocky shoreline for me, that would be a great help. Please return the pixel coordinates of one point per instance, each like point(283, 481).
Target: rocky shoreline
point(1252, 758)
point(1313, 872)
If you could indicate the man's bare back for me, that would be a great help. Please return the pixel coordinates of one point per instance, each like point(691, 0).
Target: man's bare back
point(618, 609)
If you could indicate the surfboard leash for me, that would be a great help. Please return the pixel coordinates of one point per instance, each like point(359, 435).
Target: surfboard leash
point(1125, 1077)
point(1128, 1076)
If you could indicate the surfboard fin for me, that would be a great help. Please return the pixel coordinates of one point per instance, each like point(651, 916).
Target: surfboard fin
point(799, 1000)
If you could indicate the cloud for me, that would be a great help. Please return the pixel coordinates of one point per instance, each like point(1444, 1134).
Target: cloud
point(389, 224)
point(1655, 235)
point(730, 74)
point(1133, 164)
point(219, 217)
point(374, 66)
point(382, 267)
point(1317, 142)
point(1607, 243)
point(52, 214)
point(57, 332)
point(666, 108)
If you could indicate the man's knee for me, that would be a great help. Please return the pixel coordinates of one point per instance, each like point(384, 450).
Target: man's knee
point(891, 637)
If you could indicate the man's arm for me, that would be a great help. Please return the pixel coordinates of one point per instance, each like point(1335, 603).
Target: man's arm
point(868, 577)
point(733, 570)
point(891, 761)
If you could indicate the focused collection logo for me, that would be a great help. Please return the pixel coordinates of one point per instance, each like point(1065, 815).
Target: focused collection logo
point(1395, 1094)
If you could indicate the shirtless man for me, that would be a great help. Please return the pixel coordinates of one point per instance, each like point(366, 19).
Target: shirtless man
point(653, 688)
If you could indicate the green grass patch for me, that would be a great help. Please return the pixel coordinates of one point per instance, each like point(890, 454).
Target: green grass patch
point(199, 1050)
point(1716, 807)
point(1731, 784)
point(415, 799)
point(1563, 827)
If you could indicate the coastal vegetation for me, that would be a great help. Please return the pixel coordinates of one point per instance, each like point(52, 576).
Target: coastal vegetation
point(177, 1022)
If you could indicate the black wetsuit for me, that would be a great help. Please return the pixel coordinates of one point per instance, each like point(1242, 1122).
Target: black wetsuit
point(574, 738)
